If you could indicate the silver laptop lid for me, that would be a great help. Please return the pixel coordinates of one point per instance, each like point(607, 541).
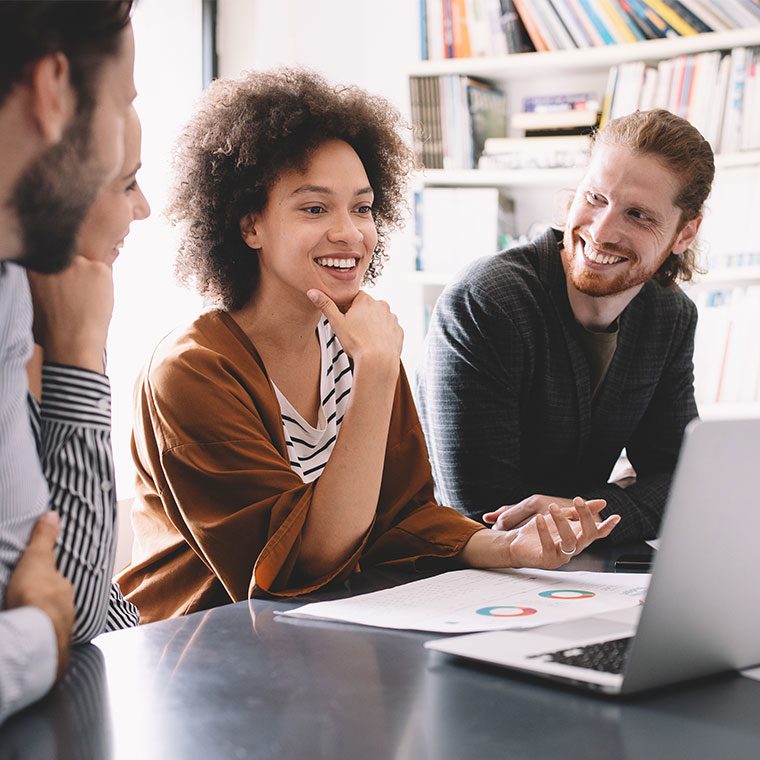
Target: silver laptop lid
point(702, 613)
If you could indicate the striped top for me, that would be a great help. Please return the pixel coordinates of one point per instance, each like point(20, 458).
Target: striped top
point(310, 447)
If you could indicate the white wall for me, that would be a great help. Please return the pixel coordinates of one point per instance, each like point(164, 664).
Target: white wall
point(148, 302)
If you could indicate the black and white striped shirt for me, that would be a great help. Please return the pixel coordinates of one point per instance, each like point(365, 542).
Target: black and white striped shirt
point(72, 429)
point(309, 447)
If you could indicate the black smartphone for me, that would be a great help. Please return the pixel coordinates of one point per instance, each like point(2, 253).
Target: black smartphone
point(635, 562)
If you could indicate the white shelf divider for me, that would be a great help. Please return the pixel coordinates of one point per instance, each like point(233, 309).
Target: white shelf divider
point(546, 178)
point(586, 59)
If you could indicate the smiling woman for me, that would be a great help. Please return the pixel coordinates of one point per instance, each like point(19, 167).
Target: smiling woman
point(276, 440)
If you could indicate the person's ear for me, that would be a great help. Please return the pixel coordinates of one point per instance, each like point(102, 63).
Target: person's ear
point(53, 102)
point(249, 231)
point(686, 236)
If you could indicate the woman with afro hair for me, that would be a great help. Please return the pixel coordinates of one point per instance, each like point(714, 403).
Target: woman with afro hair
point(276, 440)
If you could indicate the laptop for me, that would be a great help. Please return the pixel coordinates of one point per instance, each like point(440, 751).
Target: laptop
point(702, 611)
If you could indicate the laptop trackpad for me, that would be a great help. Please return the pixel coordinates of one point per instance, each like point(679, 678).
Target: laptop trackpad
point(618, 622)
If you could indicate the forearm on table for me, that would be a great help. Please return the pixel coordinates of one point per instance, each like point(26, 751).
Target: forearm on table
point(487, 548)
point(345, 496)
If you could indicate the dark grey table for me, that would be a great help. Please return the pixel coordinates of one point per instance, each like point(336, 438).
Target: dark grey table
point(236, 682)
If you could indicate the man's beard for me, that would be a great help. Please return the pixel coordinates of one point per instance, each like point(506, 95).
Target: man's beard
point(52, 197)
point(596, 284)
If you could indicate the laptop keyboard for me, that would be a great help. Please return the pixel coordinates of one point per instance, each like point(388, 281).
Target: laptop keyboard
point(606, 656)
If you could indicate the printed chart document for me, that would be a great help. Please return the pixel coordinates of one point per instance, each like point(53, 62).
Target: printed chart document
point(465, 601)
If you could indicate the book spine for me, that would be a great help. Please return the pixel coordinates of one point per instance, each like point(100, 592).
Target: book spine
point(591, 31)
point(577, 102)
point(648, 27)
point(645, 28)
point(707, 14)
point(554, 25)
point(448, 30)
point(643, 9)
point(621, 31)
point(739, 13)
point(690, 18)
point(528, 20)
point(686, 87)
point(460, 31)
point(671, 17)
point(575, 29)
point(596, 19)
point(417, 122)
point(609, 93)
point(631, 20)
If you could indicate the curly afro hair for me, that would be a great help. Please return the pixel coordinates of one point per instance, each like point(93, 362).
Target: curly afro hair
point(245, 134)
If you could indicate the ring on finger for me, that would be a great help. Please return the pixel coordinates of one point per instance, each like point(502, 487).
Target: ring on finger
point(566, 552)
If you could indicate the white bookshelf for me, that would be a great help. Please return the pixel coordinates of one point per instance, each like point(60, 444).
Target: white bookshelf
point(535, 191)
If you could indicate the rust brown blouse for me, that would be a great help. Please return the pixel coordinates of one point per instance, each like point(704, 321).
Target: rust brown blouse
point(219, 511)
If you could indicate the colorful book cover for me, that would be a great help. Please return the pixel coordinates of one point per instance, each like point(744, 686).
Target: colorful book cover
point(642, 9)
point(631, 21)
point(575, 28)
point(460, 31)
point(588, 24)
point(551, 29)
point(621, 30)
point(523, 9)
point(690, 18)
point(671, 17)
point(650, 29)
point(598, 22)
point(706, 11)
point(517, 37)
point(448, 30)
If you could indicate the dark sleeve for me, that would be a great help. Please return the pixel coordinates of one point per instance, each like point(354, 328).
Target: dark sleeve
point(469, 390)
point(654, 447)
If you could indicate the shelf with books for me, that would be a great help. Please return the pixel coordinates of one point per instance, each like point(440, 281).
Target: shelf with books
point(518, 65)
point(728, 296)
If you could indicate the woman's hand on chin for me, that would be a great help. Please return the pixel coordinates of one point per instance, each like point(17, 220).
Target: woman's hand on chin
point(368, 330)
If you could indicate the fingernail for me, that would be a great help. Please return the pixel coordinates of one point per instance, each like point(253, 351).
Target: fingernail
point(51, 518)
point(313, 296)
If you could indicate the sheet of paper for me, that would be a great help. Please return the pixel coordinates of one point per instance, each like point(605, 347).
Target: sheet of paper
point(752, 673)
point(654, 543)
point(465, 601)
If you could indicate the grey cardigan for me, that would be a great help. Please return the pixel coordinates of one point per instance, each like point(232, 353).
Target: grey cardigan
point(504, 391)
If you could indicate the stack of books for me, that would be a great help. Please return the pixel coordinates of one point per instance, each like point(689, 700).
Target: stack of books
point(556, 134)
point(727, 345)
point(718, 93)
point(471, 28)
point(454, 115)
